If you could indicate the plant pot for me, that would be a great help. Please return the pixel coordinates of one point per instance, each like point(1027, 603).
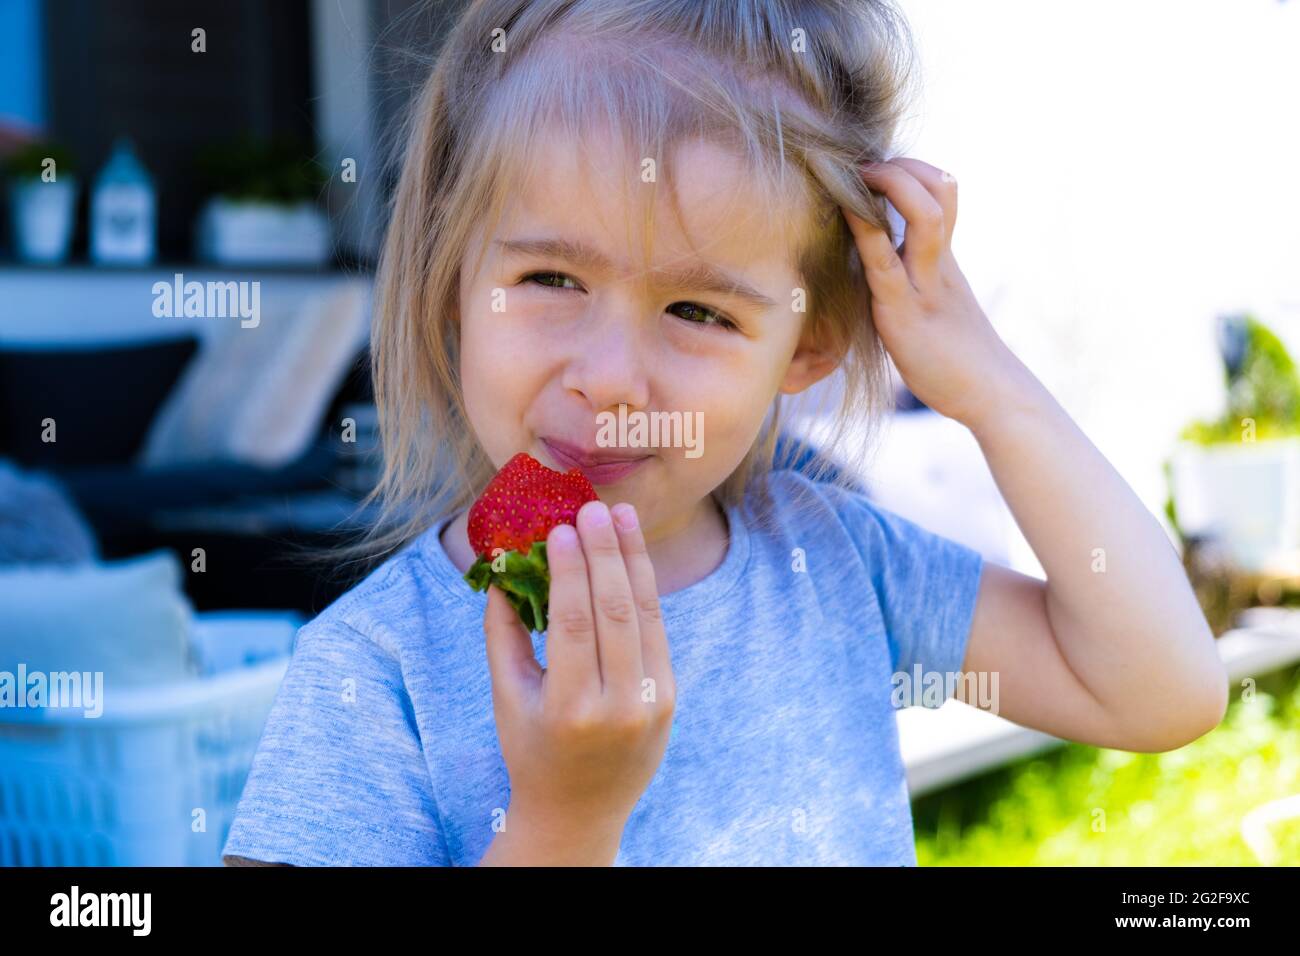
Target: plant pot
point(254, 233)
point(1245, 494)
point(42, 216)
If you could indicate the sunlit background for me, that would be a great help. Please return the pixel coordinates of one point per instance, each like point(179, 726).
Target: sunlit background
point(1127, 172)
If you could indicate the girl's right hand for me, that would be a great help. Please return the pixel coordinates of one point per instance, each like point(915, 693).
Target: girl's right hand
point(583, 737)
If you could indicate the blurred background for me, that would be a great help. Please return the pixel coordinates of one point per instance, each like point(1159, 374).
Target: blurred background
point(192, 200)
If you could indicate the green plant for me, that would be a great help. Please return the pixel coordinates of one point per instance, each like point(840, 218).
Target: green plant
point(249, 169)
point(1262, 386)
point(28, 161)
point(1087, 806)
point(1171, 507)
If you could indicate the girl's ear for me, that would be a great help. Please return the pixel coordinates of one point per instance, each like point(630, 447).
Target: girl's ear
point(809, 365)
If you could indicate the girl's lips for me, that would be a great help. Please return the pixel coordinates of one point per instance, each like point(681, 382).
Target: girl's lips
point(605, 473)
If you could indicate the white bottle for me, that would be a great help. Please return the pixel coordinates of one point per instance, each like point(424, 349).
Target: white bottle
point(123, 224)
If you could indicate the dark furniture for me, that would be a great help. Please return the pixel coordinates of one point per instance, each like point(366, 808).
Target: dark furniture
point(103, 402)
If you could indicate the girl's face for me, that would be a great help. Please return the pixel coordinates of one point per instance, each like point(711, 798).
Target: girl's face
point(560, 325)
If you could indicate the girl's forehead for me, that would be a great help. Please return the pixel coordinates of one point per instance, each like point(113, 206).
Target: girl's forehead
point(707, 206)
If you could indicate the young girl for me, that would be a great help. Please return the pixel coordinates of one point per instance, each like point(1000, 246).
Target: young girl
point(638, 206)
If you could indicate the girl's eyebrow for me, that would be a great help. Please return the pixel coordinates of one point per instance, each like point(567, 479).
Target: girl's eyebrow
point(702, 276)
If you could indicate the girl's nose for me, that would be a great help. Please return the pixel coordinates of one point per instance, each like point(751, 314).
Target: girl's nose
point(608, 364)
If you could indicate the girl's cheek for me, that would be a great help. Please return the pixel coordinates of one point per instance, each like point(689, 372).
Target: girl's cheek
point(713, 352)
point(519, 316)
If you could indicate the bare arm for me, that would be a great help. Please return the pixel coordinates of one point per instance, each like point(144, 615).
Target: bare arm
point(531, 840)
point(1112, 649)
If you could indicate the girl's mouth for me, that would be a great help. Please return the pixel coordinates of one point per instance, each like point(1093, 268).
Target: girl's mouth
point(600, 473)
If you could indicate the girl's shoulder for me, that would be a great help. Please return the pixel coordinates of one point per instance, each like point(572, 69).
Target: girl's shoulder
point(914, 585)
point(413, 595)
point(789, 500)
point(791, 504)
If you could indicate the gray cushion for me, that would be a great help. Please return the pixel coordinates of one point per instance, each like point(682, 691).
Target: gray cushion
point(38, 522)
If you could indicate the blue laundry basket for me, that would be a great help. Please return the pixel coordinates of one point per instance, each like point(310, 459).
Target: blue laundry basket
point(155, 779)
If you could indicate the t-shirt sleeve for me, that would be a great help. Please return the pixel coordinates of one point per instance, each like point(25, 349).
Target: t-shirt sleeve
point(339, 777)
point(926, 587)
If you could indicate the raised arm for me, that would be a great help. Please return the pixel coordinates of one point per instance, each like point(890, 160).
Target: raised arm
point(1112, 649)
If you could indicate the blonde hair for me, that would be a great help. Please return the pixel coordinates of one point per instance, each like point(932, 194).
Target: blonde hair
point(816, 86)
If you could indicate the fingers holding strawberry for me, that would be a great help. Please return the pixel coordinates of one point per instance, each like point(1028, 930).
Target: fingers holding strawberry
point(597, 737)
point(655, 662)
point(582, 738)
point(604, 598)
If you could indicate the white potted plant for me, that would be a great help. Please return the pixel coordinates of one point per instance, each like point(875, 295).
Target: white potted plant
point(1237, 478)
point(263, 207)
point(42, 202)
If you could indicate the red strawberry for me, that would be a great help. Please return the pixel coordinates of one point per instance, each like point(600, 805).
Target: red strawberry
point(508, 525)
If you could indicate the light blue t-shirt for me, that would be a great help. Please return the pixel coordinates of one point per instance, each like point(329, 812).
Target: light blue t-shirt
point(381, 746)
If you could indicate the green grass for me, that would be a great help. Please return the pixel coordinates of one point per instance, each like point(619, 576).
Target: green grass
point(1085, 806)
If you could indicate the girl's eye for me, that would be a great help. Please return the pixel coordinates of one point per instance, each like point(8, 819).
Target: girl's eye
point(721, 321)
point(556, 280)
point(532, 276)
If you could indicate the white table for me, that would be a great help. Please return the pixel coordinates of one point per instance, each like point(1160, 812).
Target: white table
point(956, 741)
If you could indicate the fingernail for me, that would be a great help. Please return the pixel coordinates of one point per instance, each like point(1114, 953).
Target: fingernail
point(599, 516)
point(564, 537)
point(625, 516)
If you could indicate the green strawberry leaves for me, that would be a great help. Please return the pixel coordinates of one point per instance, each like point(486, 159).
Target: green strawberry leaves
point(525, 579)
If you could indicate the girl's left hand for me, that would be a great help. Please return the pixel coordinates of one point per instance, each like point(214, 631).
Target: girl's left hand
point(925, 312)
